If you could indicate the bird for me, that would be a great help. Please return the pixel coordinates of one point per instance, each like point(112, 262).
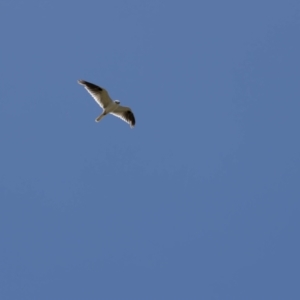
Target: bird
point(109, 106)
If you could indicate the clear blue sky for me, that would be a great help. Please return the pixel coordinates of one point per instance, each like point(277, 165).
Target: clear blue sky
point(200, 200)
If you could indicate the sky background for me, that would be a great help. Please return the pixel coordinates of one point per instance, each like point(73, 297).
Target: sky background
point(200, 200)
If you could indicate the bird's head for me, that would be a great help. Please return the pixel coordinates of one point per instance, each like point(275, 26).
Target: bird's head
point(117, 101)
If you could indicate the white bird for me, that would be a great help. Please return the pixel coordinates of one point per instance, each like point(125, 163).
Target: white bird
point(107, 104)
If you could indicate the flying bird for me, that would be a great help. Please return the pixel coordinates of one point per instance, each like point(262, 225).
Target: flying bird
point(109, 106)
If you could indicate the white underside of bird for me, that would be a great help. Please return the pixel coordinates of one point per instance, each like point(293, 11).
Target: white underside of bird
point(109, 106)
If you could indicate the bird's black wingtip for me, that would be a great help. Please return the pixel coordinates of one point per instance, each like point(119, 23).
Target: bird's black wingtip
point(130, 118)
point(90, 85)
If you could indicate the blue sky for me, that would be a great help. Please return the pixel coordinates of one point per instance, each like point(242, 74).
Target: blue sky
point(200, 200)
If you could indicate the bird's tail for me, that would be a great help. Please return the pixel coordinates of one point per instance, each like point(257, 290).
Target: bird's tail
point(100, 117)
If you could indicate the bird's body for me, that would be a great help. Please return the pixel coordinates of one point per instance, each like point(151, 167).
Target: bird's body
point(109, 106)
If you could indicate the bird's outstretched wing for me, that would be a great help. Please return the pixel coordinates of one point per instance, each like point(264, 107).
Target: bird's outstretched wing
point(98, 93)
point(125, 114)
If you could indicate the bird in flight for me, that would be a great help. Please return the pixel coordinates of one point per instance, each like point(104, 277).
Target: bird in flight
point(107, 104)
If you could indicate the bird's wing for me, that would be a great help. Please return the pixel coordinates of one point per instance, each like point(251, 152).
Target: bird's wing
point(125, 114)
point(98, 93)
